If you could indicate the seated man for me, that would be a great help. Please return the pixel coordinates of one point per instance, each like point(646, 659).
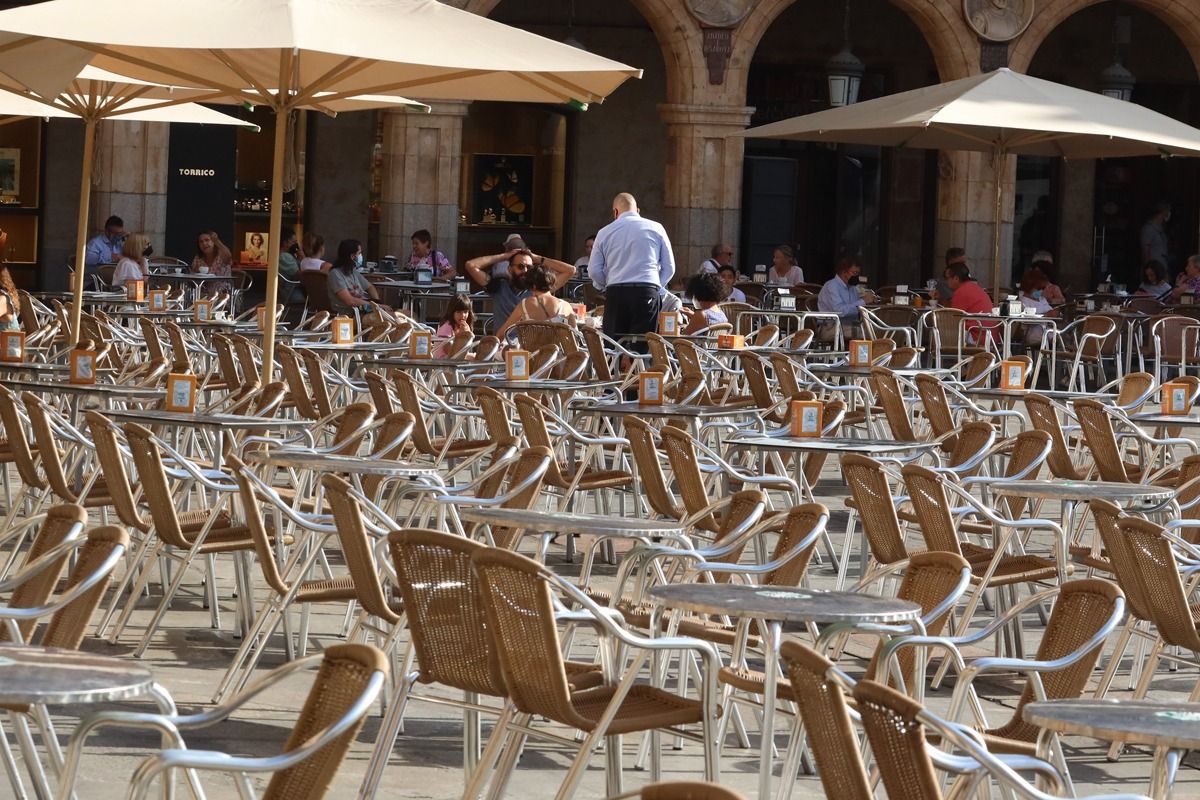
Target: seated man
point(840, 296)
point(729, 276)
point(969, 297)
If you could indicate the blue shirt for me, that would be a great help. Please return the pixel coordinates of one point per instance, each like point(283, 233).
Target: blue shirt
point(631, 249)
point(504, 299)
point(100, 251)
point(837, 297)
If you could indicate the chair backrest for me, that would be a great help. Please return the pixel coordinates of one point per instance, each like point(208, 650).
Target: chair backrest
point(315, 370)
point(112, 465)
point(1134, 385)
point(872, 494)
point(180, 358)
point(520, 614)
point(660, 354)
point(264, 550)
point(692, 381)
point(153, 339)
point(537, 434)
point(1150, 562)
point(96, 559)
point(1101, 439)
point(1043, 415)
point(1026, 452)
point(927, 493)
point(688, 790)
point(597, 355)
point(937, 409)
point(1081, 611)
point(352, 423)
point(973, 439)
point(649, 468)
point(316, 287)
point(227, 364)
point(444, 610)
point(46, 442)
point(243, 351)
point(410, 401)
point(59, 523)
point(345, 672)
point(289, 364)
point(495, 413)
point(977, 365)
point(826, 716)
point(147, 458)
point(891, 397)
point(18, 441)
point(798, 524)
point(391, 440)
point(897, 738)
point(357, 548)
point(381, 396)
point(754, 367)
point(685, 467)
point(946, 322)
point(785, 375)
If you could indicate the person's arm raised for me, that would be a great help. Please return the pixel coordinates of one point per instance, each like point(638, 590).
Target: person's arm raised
point(563, 271)
point(476, 266)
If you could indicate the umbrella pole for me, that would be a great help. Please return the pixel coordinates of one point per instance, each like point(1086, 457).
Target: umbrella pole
point(998, 165)
point(272, 299)
point(81, 230)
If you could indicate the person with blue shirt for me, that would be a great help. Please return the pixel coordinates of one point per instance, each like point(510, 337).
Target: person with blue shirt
point(632, 264)
point(840, 296)
point(105, 248)
point(510, 286)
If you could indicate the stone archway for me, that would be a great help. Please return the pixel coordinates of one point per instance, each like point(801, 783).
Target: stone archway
point(1182, 18)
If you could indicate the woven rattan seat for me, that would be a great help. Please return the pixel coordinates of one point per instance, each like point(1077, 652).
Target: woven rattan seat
point(688, 790)
point(645, 707)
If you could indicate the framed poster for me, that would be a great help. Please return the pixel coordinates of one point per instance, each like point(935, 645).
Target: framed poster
point(256, 248)
point(10, 171)
point(501, 189)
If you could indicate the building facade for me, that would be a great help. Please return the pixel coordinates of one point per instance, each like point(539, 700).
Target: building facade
point(711, 68)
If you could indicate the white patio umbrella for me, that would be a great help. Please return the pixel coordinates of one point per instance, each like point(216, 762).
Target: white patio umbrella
point(1003, 113)
point(300, 54)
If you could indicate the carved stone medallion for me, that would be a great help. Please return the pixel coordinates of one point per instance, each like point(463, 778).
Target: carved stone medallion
point(721, 13)
point(998, 20)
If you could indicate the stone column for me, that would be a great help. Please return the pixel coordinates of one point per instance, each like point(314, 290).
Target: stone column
point(422, 169)
point(129, 177)
point(703, 192)
point(966, 212)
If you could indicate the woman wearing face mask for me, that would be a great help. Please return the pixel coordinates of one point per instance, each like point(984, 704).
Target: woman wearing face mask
point(132, 266)
point(348, 287)
point(1033, 290)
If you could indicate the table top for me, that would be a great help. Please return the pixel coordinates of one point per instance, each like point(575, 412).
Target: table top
point(785, 605)
point(129, 313)
point(88, 296)
point(561, 522)
point(93, 389)
point(43, 367)
point(30, 674)
point(214, 421)
point(1166, 420)
point(1138, 721)
point(414, 286)
point(667, 410)
point(1079, 490)
point(353, 347)
point(328, 462)
point(833, 444)
point(1055, 394)
point(191, 276)
point(536, 385)
point(865, 372)
point(431, 363)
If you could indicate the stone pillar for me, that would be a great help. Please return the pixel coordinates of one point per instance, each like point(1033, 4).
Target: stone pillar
point(703, 191)
point(966, 212)
point(129, 177)
point(1077, 225)
point(422, 169)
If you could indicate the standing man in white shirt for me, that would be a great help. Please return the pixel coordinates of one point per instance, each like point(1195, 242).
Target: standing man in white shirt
point(721, 255)
point(632, 264)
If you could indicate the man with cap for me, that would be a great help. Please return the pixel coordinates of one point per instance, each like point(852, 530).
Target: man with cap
point(506, 281)
point(632, 263)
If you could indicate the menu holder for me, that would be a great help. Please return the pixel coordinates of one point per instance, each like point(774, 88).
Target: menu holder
point(181, 393)
point(135, 291)
point(1187, 299)
point(343, 330)
point(420, 344)
point(1089, 305)
point(807, 418)
point(158, 300)
point(202, 311)
point(650, 389)
point(787, 302)
point(860, 353)
point(731, 341)
point(516, 365)
point(668, 323)
point(12, 346)
point(1175, 398)
point(83, 366)
point(261, 316)
point(1012, 375)
point(462, 286)
point(899, 299)
point(423, 276)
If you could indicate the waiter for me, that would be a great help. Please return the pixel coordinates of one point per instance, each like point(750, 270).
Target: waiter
point(631, 263)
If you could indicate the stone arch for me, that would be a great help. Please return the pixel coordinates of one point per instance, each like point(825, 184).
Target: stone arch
point(1182, 18)
point(677, 34)
point(954, 47)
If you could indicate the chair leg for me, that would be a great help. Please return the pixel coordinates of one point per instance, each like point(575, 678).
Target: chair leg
point(386, 739)
point(10, 766)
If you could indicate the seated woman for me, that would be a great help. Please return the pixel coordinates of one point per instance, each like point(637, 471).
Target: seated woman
point(312, 247)
point(541, 305)
point(783, 271)
point(1154, 281)
point(348, 287)
point(132, 266)
point(10, 308)
point(1053, 294)
point(1033, 297)
point(213, 257)
point(707, 290)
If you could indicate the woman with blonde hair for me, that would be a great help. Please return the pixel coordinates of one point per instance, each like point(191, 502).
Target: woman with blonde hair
point(213, 257)
point(132, 266)
point(10, 308)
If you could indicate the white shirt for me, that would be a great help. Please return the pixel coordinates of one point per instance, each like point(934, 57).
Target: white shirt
point(709, 265)
point(736, 295)
point(631, 249)
point(794, 276)
point(127, 270)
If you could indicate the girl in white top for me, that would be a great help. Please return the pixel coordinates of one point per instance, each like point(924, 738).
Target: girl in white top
point(784, 271)
point(313, 250)
point(132, 266)
point(706, 290)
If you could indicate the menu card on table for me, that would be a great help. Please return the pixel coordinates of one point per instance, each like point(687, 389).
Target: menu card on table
point(516, 365)
point(83, 366)
point(12, 346)
point(1175, 398)
point(343, 330)
point(650, 389)
point(807, 417)
point(181, 392)
point(1012, 375)
point(420, 344)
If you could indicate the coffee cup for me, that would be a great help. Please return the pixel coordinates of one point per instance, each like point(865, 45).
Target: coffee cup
point(202, 270)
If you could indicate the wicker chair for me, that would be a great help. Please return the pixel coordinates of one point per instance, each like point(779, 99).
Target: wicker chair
point(450, 640)
point(1097, 422)
point(684, 790)
point(897, 409)
point(650, 482)
point(872, 504)
point(349, 679)
point(33, 485)
point(299, 395)
point(1044, 416)
point(451, 446)
point(520, 614)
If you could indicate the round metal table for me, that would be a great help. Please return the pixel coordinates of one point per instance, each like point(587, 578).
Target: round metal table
point(30, 674)
point(773, 607)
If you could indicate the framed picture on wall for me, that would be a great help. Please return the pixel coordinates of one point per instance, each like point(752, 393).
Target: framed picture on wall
point(10, 171)
point(501, 189)
point(256, 248)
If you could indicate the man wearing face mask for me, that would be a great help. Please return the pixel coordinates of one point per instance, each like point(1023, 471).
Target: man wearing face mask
point(840, 296)
point(1156, 245)
point(511, 287)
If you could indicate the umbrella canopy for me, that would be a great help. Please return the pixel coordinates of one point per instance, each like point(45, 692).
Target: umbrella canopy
point(292, 54)
point(14, 106)
point(1003, 113)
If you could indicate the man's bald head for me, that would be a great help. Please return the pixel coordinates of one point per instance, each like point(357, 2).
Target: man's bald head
point(624, 202)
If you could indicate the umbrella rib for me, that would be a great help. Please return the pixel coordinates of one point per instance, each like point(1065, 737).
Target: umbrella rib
point(225, 90)
point(242, 73)
point(18, 43)
point(385, 88)
point(344, 69)
point(581, 94)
